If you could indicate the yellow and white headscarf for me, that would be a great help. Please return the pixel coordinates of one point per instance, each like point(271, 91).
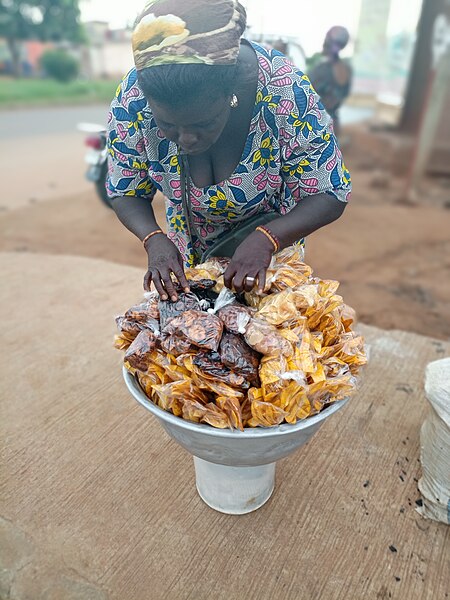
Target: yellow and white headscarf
point(188, 31)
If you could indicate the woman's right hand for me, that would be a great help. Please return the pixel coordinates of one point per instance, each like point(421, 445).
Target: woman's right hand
point(164, 258)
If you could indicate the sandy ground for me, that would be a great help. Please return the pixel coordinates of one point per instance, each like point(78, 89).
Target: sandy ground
point(391, 257)
point(97, 503)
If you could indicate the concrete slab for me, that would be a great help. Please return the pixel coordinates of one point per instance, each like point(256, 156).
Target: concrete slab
point(97, 503)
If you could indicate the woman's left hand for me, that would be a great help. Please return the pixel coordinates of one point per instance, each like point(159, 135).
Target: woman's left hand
point(249, 264)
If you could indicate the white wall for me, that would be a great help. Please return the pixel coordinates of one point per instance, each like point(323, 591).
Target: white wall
point(112, 60)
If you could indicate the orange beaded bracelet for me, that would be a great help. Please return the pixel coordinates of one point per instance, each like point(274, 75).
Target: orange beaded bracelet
point(270, 236)
point(151, 234)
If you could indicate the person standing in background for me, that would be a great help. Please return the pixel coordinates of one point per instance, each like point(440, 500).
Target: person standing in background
point(330, 75)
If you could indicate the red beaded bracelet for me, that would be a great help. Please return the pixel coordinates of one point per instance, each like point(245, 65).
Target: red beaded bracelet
point(273, 238)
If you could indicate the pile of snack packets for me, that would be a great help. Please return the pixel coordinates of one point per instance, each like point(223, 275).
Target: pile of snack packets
point(249, 360)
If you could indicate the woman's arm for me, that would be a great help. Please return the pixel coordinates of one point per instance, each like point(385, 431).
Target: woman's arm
point(136, 214)
point(253, 256)
point(131, 188)
point(310, 214)
point(163, 256)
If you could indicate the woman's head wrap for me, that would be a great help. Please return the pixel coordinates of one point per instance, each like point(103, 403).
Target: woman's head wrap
point(188, 31)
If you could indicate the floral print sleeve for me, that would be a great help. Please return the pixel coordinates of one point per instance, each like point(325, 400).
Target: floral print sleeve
point(311, 161)
point(290, 153)
point(128, 165)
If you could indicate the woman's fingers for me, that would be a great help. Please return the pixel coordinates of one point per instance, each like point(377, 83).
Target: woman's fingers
point(250, 282)
point(241, 281)
point(261, 279)
point(244, 281)
point(228, 276)
point(178, 271)
point(147, 281)
point(164, 284)
point(238, 282)
point(156, 278)
point(168, 284)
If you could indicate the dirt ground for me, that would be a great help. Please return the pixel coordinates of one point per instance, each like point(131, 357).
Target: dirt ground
point(391, 256)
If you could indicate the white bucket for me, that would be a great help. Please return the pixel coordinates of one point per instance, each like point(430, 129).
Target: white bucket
point(234, 490)
point(235, 470)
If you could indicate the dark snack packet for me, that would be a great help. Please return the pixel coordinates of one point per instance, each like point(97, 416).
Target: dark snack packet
point(237, 355)
point(235, 317)
point(209, 367)
point(199, 284)
point(138, 354)
point(146, 310)
point(175, 345)
point(169, 310)
point(199, 328)
point(132, 328)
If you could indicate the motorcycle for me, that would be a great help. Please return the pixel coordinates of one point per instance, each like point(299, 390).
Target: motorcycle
point(96, 158)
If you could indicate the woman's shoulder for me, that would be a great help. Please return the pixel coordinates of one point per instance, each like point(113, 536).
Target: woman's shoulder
point(281, 83)
point(129, 97)
point(283, 88)
point(275, 68)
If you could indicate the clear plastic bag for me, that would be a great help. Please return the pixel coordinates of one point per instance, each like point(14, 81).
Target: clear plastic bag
point(294, 400)
point(278, 308)
point(175, 345)
point(205, 381)
point(265, 338)
point(213, 268)
point(169, 310)
point(201, 329)
point(232, 408)
point(239, 357)
point(266, 414)
point(175, 394)
point(139, 353)
point(225, 298)
point(271, 371)
point(235, 317)
point(209, 413)
point(146, 310)
point(207, 365)
point(126, 326)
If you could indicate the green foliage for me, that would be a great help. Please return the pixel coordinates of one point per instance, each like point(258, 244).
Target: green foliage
point(47, 20)
point(48, 92)
point(60, 65)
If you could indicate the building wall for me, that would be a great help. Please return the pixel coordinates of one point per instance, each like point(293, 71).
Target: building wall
point(112, 60)
point(384, 47)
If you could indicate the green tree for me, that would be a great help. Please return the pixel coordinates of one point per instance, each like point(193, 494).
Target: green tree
point(45, 20)
point(60, 65)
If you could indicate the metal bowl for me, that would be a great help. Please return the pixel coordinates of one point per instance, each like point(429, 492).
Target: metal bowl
point(249, 448)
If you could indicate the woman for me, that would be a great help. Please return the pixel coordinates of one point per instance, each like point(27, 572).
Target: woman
point(233, 129)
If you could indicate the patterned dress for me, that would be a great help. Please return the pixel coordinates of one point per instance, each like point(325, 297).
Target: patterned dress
point(290, 153)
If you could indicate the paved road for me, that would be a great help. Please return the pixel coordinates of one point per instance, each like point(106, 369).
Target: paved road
point(47, 121)
point(44, 153)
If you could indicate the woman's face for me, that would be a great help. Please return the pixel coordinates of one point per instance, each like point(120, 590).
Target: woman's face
point(194, 127)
